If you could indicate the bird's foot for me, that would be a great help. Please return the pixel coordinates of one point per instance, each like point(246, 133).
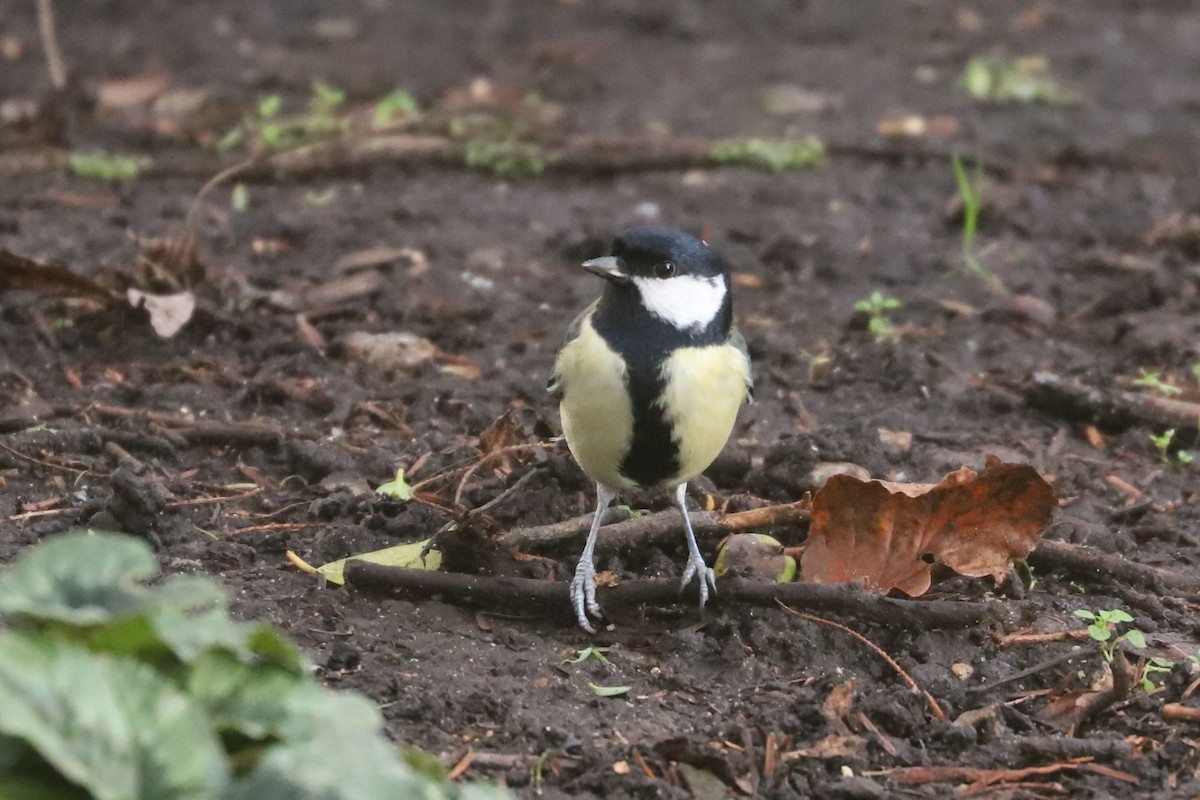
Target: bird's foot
point(583, 594)
point(696, 568)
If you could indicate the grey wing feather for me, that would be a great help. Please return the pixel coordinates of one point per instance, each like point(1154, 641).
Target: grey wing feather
point(737, 340)
point(555, 385)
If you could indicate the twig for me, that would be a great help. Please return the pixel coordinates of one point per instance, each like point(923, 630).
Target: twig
point(40, 463)
point(1112, 409)
point(1092, 564)
point(47, 30)
point(524, 594)
point(656, 529)
point(194, 432)
point(1181, 712)
point(1028, 637)
point(932, 702)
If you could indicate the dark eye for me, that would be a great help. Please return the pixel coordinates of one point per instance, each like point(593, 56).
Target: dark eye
point(664, 270)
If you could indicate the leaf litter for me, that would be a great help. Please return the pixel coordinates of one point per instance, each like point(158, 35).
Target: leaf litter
point(888, 536)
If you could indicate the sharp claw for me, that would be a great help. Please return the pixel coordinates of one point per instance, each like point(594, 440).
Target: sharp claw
point(698, 569)
point(583, 595)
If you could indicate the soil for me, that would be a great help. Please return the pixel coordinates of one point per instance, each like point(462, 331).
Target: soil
point(1085, 224)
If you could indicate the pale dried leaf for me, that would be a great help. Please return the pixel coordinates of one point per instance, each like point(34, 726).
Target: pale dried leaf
point(168, 312)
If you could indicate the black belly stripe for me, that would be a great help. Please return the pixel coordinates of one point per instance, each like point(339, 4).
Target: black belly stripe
point(653, 455)
point(644, 342)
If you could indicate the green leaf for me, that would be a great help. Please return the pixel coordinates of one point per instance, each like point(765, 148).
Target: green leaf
point(397, 488)
point(609, 691)
point(1115, 616)
point(105, 167)
point(586, 653)
point(1099, 631)
point(1136, 639)
point(333, 751)
point(402, 555)
point(269, 106)
point(79, 578)
point(326, 99)
point(254, 700)
point(771, 155)
point(113, 726)
point(398, 103)
point(239, 198)
point(1083, 613)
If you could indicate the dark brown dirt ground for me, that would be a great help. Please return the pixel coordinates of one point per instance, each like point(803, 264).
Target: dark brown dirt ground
point(1073, 201)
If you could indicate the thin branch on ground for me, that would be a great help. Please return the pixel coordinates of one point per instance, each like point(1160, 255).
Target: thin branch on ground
point(656, 529)
point(551, 597)
point(1113, 409)
point(1096, 565)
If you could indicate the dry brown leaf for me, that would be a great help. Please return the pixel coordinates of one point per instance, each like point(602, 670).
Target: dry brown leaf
point(168, 312)
point(888, 536)
point(833, 746)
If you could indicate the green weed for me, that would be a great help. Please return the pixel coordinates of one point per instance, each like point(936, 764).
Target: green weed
point(772, 155)
point(877, 309)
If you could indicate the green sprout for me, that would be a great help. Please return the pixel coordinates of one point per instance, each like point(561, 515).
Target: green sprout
point(1103, 626)
point(1148, 379)
point(1155, 664)
point(506, 157)
point(326, 100)
point(633, 513)
point(1162, 443)
point(396, 489)
point(589, 652)
point(1196, 371)
point(239, 198)
point(273, 132)
point(106, 167)
point(970, 189)
point(397, 104)
point(1020, 80)
point(772, 155)
point(877, 307)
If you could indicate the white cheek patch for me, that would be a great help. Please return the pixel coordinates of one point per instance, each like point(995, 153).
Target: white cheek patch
point(685, 301)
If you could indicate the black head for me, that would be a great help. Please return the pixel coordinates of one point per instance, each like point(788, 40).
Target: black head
point(669, 276)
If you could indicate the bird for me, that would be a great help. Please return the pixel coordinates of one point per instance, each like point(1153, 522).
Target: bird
point(649, 381)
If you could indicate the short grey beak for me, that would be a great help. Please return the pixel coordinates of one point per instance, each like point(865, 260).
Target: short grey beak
point(607, 267)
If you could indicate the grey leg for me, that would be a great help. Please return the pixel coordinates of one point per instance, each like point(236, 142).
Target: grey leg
point(583, 585)
point(696, 568)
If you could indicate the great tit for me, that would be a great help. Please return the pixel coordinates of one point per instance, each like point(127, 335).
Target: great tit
point(649, 382)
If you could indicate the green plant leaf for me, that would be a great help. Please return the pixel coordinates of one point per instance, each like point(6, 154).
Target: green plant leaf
point(1083, 613)
point(1136, 639)
point(402, 555)
point(1099, 631)
point(609, 691)
point(80, 578)
point(113, 726)
point(397, 488)
point(1116, 616)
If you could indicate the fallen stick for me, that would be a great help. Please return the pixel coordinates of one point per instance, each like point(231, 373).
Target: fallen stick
point(663, 527)
point(1113, 409)
point(1092, 564)
point(524, 594)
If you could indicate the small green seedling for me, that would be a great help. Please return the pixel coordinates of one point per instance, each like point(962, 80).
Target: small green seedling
point(392, 107)
point(771, 155)
point(970, 189)
point(1147, 379)
point(1155, 664)
point(105, 167)
point(1103, 626)
point(397, 488)
point(1162, 444)
point(877, 307)
point(508, 158)
point(1020, 80)
point(633, 513)
point(1196, 371)
point(609, 691)
point(239, 198)
point(589, 652)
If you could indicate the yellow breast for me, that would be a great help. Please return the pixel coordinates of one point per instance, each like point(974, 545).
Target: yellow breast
point(705, 387)
point(597, 418)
